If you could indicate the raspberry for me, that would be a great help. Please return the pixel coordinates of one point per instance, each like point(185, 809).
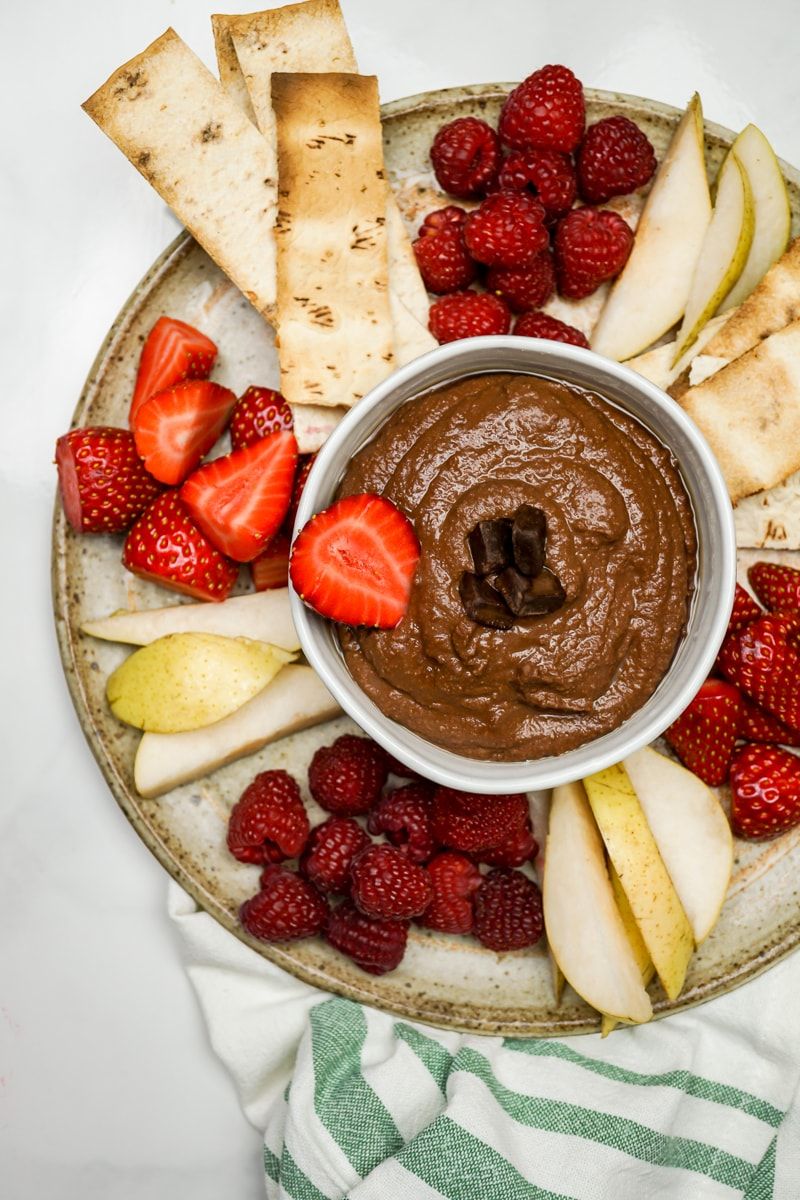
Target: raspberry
point(403, 816)
point(455, 879)
point(269, 822)
point(614, 158)
point(385, 883)
point(449, 217)
point(287, 907)
point(331, 849)
point(524, 288)
point(546, 112)
point(443, 261)
point(346, 778)
point(507, 230)
point(465, 156)
point(591, 245)
point(541, 325)
point(400, 769)
point(548, 175)
point(519, 847)
point(375, 946)
point(508, 911)
point(468, 314)
point(473, 822)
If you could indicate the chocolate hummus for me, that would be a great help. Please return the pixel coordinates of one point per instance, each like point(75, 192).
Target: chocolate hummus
point(620, 539)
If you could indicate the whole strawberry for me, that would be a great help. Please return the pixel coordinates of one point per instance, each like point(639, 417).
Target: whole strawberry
point(465, 156)
point(542, 325)
point(386, 884)
point(165, 546)
point(763, 663)
point(546, 174)
point(103, 481)
point(473, 822)
point(508, 911)
point(546, 112)
point(507, 230)
point(258, 412)
point(468, 314)
point(269, 822)
point(705, 733)
point(514, 851)
point(286, 908)
point(373, 945)
point(614, 158)
point(455, 880)
point(330, 851)
point(591, 246)
point(524, 288)
point(346, 777)
point(443, 260)
point(776, 585)
point(403, 816)
point(765, 790)
point(744, 610)
point(304, 464)
point(760, 726)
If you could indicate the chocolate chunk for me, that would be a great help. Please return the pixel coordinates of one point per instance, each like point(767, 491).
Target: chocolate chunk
point(530, 597)
point(482, 603)
point(528, 536)
point(490, 545)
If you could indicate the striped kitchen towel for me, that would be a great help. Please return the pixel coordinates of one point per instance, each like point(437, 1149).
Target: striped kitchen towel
point(355, 1103)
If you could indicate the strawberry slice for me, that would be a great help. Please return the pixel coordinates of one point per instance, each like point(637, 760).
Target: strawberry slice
point(240, 500)
point(355, 562)
point(104, 484)
point(271, 568)
point(166, 546)
point(764, 664)
point(174, 351)
point(259, 412)
point(765, 786)
point(705, 733)
point(176, 427)
point(761, 726)
point(776, 586)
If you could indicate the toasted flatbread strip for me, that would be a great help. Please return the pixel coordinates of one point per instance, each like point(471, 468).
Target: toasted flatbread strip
point(770, 520)
point(230, 73)
point(313, 425)
point(334, 319)
point(411, 338)
point(750, 414)
point(655, 364)
point(405, 280)
point(192, 142)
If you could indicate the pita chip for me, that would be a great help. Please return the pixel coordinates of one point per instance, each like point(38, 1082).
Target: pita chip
point(230, 73)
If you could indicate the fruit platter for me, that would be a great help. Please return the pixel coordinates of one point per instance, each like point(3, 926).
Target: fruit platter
point(613, 224)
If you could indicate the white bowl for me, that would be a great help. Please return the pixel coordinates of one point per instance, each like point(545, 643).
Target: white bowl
point(716, 560)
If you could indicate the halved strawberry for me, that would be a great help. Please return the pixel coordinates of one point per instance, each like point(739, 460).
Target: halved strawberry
point(104, 484)
point(776, 585)
point(761, 726)
point(764, 664)
point(166, 546)
point(240, 500)
point(176, 427)
point(258, 412)
point(765, 787)
point(355, 561)
point(271, 568)
point(705, 733)
point(174, 351)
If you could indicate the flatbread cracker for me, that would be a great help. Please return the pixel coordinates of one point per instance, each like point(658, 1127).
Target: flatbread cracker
point(230, 73)
point(770, 520)
point(180, 128)
point(313, 425)
point(333, 314)
point(405, 280)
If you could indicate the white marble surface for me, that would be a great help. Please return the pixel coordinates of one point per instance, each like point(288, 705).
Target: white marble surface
point(108, 1087)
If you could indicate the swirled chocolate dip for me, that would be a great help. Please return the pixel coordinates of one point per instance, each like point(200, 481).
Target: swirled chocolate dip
point(620, 538)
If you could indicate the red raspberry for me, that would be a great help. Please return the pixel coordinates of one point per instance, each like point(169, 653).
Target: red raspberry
point(257, 413)
point(385, 883)
point(468, 314)
point(614, 158)
point(331, 849)
point(465, 156)
point(591, 245)
point(269, 822)
point(507, 230)
point(519, 847)
point(450, 217)
point(550, 176)
point(287, 907)
point(508, 911)
point(403, 816)
point(346, 778)
point(455, 879)
point(375, 946)
point(541, 325)
point(524, 288)
point(400, 769)
point(443, 261)
point(546, 112)
point(472, 822)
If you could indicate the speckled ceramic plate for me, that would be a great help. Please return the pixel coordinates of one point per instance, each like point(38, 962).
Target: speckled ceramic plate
point(451, 982)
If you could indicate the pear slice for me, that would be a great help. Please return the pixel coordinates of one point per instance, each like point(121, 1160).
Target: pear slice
point(663, 924)
point(585, 932)
point(262, 616)
point(640, 951)
point(296, 699)
point(773, 215)
point(724, 253)
point(539, 804)
point(691, 831)
point(188, 680)
point(650, 295)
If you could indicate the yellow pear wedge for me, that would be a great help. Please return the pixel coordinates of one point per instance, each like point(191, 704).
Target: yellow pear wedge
point(663, 924)
point(188, 680)
point(650, 295)
point(773, 216)
point(724, 252)
point(640, 951)
point(585, 931)
point(691, 831)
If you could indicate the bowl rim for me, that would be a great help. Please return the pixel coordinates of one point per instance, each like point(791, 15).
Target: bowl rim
point(492, 776)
